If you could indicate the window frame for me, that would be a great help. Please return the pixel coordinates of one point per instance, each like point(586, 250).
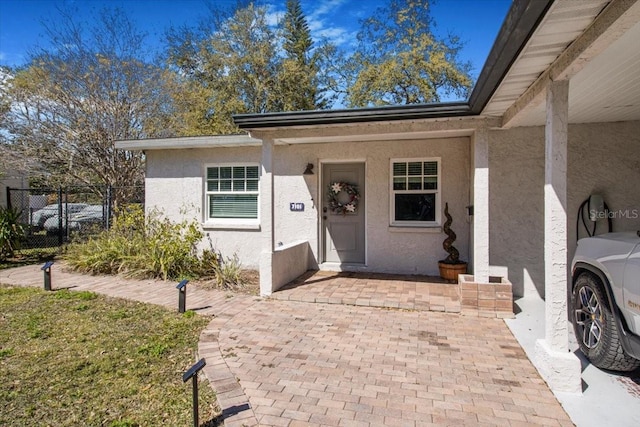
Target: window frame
point(230, 222)
point(437, 192)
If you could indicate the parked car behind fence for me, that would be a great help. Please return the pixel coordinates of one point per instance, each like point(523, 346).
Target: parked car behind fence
point(41, 216)
point(92, 215)
point(89, 215)
point(85, 210)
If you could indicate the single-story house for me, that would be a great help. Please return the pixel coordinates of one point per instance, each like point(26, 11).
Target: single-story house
point(553, 119)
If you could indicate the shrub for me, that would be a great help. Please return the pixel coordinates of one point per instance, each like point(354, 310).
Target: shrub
point(151, 246)
point(140, 246)
point(11, 231)
point(229, 273)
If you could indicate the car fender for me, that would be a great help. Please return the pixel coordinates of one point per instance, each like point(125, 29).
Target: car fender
point(614, 292)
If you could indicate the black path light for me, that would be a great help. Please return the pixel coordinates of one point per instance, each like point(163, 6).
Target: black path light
point(47, 275)
point(182, 295)
point(193, 373)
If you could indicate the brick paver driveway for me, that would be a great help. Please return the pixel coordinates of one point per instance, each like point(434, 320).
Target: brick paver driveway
point(318, 364)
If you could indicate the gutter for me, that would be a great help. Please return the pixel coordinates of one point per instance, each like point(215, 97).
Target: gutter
point(354, 115)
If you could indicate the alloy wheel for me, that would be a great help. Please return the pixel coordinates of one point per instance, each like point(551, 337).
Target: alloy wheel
point(589, 317)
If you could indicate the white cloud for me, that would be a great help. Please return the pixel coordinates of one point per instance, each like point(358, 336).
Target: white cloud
point(337, 35)
point(274, 15)
point(320, 17)
point(326, 7)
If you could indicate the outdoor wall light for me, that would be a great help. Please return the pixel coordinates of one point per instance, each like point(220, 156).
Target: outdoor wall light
point(308, 170)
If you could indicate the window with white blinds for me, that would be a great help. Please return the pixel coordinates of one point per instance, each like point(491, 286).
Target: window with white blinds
point(232, 191)
point(415, 192)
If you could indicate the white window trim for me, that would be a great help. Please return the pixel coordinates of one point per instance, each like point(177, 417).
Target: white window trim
point(438, 193)
point(228, 223)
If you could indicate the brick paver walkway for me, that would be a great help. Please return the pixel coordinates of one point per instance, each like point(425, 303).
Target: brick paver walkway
point(373, 290)
point(288, 363)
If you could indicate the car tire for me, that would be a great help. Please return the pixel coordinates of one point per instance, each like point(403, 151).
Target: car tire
point(595, 326)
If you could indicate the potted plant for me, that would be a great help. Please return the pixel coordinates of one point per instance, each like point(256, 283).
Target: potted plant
point(451, 266)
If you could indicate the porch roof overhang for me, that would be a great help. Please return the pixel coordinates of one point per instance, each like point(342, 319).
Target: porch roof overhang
point(188, 142)
point(387, 130)
point(592, 44)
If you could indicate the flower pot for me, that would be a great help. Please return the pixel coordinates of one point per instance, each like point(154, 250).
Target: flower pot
point(450, 272)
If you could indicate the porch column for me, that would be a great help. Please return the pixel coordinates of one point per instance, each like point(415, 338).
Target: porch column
point(481, 206)
point(560, 368)
point(266, 219)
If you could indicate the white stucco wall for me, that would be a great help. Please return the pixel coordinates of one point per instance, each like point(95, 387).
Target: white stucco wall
point(603, 158)
point(389, 249)
point(516, 205)
point(174, 182)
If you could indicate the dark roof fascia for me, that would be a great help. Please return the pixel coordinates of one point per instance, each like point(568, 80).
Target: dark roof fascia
point(356, 115)
point(521, 21)
point(519, 25)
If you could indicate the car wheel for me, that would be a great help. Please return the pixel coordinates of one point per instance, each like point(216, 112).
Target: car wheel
point(595, 326)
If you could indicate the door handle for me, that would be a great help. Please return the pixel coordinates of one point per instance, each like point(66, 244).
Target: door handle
point(324, 209)
point(324, 217)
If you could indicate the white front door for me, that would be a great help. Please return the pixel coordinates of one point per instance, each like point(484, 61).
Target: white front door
point(344, 231)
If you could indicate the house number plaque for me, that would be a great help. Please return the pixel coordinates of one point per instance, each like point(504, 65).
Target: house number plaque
point(296, 207)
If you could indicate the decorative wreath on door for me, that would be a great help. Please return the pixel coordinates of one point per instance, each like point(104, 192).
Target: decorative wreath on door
point(343, 198)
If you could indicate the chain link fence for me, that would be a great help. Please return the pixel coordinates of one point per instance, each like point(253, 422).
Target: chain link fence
point(52, 217)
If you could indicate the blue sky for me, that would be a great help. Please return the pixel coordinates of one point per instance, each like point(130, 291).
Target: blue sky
point(476, 21)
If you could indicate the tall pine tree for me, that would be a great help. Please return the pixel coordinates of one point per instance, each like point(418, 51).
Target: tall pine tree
point(299, 72)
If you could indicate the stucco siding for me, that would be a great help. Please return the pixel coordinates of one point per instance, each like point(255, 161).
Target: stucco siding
point(417, 251)
point(291, 186)
point(389, 249)
point(603, 158)
point(174, 184)
point(516, 205)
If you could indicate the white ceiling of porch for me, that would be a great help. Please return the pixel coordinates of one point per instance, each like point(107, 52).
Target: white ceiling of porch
point(606, 86)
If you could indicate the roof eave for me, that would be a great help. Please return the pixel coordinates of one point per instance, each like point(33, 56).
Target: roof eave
point(359, 115)
point(188, 142)
point(519, 25)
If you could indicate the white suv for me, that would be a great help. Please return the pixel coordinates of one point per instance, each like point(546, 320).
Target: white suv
point(605, 303)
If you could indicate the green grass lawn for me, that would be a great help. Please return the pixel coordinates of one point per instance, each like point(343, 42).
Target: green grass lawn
point(79, 359)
